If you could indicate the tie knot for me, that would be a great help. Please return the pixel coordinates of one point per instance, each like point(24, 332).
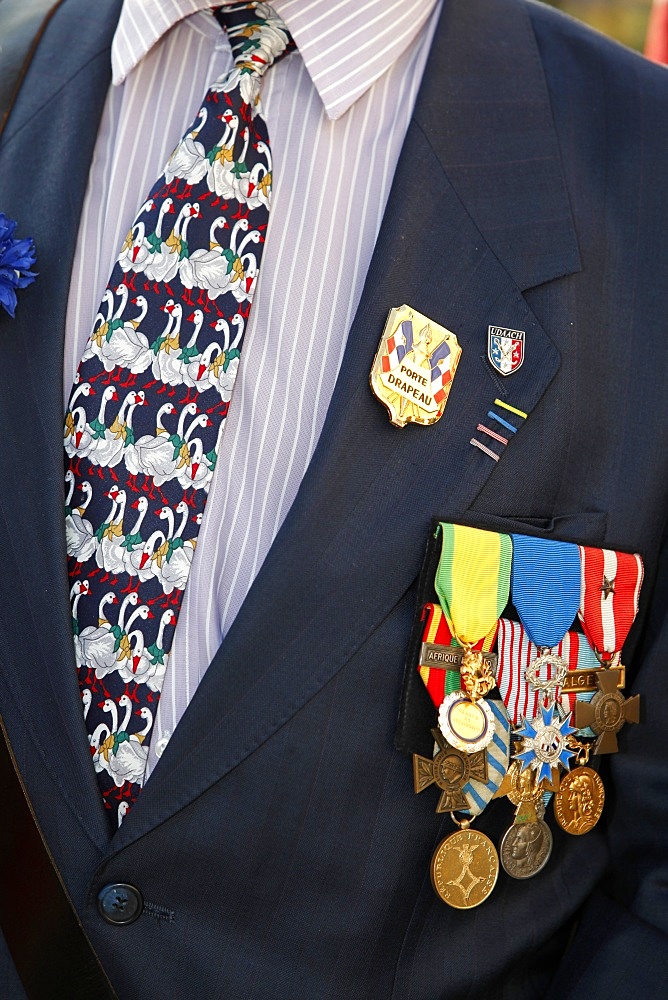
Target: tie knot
point(257, 35)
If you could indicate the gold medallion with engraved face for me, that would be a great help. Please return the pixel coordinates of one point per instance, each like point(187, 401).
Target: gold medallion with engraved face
point(464, 869)
point(414, 367)
point(579, 802)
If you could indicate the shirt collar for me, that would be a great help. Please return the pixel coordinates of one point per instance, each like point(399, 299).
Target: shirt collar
point(346, 45)
point(143, 23)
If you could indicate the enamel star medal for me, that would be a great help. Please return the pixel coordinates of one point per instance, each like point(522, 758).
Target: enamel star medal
point(579, 802)
point(546, 593)
point(414, 367)
point(545, 746)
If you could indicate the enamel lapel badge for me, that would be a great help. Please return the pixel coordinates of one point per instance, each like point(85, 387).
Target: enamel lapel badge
point(414, 367)
point(505, 349)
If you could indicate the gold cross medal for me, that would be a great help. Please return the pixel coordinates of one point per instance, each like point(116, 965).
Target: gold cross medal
point(414, 367)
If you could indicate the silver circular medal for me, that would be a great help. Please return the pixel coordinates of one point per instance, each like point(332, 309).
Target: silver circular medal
point(526, 848)
point(467, 725)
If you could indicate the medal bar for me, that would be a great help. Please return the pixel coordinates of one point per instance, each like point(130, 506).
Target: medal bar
point(569, 686)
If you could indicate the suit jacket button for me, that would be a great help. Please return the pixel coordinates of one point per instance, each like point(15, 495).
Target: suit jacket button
point(120, 903)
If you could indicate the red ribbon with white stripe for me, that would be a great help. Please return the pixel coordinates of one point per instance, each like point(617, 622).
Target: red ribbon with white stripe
point(437, 631)
point(609, 595)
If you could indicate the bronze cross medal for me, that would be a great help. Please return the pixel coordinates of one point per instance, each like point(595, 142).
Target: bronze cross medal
point(607, 712)
point(449, 770)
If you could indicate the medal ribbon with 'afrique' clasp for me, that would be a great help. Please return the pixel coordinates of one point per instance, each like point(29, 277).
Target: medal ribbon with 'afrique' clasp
point(440, 682)
point(473, 583)
point(610, 590)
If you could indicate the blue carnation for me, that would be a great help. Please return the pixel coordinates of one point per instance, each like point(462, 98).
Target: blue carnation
point(16, 259)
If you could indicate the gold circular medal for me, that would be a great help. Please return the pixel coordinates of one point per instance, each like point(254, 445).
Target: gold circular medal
point(464, 869)
point(467, 725)
point(579, 802)
point(526, 848)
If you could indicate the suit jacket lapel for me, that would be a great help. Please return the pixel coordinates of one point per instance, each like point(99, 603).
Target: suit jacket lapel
point(44, 160)
point(490, 124)
point(353, 541)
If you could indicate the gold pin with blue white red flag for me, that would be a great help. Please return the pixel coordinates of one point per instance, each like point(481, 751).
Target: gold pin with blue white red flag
point(414, 367)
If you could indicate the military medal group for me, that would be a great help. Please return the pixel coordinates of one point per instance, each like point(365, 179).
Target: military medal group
point(520, 653)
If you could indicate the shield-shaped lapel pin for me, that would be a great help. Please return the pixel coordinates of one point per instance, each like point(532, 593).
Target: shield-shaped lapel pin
point(505, 349)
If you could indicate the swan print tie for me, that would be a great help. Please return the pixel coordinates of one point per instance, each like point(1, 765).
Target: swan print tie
point(150, 400)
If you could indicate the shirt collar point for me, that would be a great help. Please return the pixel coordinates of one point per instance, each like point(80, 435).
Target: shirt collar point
point(336, 108)
point(119, 71)
point(334, 112)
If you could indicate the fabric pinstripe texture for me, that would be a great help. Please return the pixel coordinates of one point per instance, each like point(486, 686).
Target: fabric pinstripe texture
point(337, 111)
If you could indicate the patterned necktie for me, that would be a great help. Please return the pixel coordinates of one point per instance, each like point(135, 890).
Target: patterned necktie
point(150, 400)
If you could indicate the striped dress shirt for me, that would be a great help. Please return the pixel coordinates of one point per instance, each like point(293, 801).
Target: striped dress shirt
point(337, 110)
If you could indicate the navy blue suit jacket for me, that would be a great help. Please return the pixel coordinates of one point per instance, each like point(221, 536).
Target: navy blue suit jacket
point(279, 844)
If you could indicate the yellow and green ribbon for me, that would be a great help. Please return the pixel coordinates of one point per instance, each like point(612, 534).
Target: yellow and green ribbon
point(473, 580)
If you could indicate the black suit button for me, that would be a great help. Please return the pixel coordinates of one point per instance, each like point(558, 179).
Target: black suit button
point(120, 903)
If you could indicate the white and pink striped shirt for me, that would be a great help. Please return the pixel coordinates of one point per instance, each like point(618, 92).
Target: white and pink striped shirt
point(337, 111)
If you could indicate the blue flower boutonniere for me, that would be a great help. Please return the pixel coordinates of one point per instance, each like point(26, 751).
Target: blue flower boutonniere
point(16, 259)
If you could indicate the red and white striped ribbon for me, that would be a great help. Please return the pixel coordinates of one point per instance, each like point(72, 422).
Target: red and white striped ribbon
point(609, 595)
point(517, 652)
